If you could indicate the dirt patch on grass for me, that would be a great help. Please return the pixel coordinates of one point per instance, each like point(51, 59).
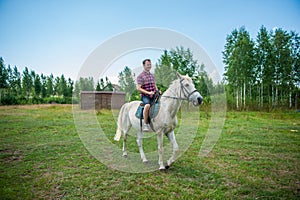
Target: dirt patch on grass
point(9, 155)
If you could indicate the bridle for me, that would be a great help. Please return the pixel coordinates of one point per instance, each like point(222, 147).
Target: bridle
point(185, 92)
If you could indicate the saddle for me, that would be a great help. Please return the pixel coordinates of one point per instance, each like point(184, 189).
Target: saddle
point(154, 109)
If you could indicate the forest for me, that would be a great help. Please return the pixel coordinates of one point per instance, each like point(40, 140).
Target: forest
point(260, 74)
point(29, 87)
point(263, 73)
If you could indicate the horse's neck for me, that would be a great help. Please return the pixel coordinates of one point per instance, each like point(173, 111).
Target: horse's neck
point(172, 105)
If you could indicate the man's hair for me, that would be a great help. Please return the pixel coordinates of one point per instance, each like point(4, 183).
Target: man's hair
point(144, 61)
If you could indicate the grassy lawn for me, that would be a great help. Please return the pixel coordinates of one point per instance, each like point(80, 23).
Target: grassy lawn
point(42, 157)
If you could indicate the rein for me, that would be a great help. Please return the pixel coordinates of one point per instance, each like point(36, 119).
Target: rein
point(157, 96)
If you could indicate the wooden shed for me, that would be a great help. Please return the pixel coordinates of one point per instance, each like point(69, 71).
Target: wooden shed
point(101, 99)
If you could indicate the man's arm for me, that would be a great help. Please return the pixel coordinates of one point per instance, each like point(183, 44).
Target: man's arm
point(139, 88)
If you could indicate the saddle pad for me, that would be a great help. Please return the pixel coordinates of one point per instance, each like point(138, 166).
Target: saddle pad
point(139, 112)
point(154, 109)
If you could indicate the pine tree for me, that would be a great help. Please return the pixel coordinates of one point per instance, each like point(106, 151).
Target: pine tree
point(182, 61)
point(44, 86)
point(108, 85)
point(27, 83)
point(37, 85)
point(9, 78)
point(16, 81)
point(70, 87)
point(164, 72)
point(127, 83)
point(3, 75)
point(56, 86)
point(98, 87)
point(49, 86)
point(102, 84)
point(62, 86)
point(83, 84)
point(202, 82)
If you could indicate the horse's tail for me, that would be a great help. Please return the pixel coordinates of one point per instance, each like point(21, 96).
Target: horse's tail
point(119, 125)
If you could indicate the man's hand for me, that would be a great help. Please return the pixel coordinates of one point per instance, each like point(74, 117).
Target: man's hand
point(151, 93)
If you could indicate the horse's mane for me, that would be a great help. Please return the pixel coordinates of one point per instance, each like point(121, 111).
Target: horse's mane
point(174, 84)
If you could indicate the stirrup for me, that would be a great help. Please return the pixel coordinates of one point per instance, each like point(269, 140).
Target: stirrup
point(146, 128)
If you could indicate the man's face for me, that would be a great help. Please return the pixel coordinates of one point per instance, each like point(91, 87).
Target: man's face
point(147, 66)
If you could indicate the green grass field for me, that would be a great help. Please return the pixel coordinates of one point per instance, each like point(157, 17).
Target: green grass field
point(42, 157)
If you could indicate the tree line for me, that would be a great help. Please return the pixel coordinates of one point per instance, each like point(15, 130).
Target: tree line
point(29, 87)
point(88, 84)
point(262, 73)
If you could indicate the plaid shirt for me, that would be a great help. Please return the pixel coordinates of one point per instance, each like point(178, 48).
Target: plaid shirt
point(147, 81)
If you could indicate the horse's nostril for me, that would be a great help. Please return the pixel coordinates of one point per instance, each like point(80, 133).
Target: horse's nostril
point(199, 100)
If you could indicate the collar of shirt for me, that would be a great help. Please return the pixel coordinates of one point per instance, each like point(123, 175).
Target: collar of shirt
point(146, 72)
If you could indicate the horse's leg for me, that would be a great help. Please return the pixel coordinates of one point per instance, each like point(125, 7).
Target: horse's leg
point(172, 139)
point(160, 150)
point(139, 141)
point(126, 128)
point(124, 145)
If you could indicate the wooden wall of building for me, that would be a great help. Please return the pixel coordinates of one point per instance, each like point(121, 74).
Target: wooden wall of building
point(101, 100)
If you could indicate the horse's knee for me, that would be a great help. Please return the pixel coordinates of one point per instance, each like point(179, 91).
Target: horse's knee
point(176, 150)
point(160, 149)
point(139, 142)
point(125, 137)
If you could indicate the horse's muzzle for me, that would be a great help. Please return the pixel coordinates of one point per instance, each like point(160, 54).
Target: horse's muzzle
point(199, 99)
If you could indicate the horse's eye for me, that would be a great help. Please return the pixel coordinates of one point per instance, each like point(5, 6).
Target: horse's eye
point(186, 85)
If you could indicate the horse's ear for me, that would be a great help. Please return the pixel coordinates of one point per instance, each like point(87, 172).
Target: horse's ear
point(178, 75)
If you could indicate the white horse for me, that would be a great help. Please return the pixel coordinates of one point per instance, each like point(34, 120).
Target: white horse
point(182, 88)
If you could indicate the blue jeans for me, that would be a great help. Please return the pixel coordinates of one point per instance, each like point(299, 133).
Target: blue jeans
point(146, 100)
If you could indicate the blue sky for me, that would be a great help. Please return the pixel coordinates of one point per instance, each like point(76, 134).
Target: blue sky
point(57, 36)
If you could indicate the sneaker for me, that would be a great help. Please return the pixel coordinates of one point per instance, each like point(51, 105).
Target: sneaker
point(146, 128)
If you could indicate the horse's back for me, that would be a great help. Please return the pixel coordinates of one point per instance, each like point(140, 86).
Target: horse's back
point(133, 106)
point(130, 108)
point(130, 105)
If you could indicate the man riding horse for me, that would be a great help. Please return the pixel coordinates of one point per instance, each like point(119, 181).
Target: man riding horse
point(147, 87)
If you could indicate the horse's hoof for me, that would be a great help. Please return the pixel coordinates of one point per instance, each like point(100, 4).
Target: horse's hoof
point(167, 167)
point(145, 162)
point(125, 156)
point(163, 170)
